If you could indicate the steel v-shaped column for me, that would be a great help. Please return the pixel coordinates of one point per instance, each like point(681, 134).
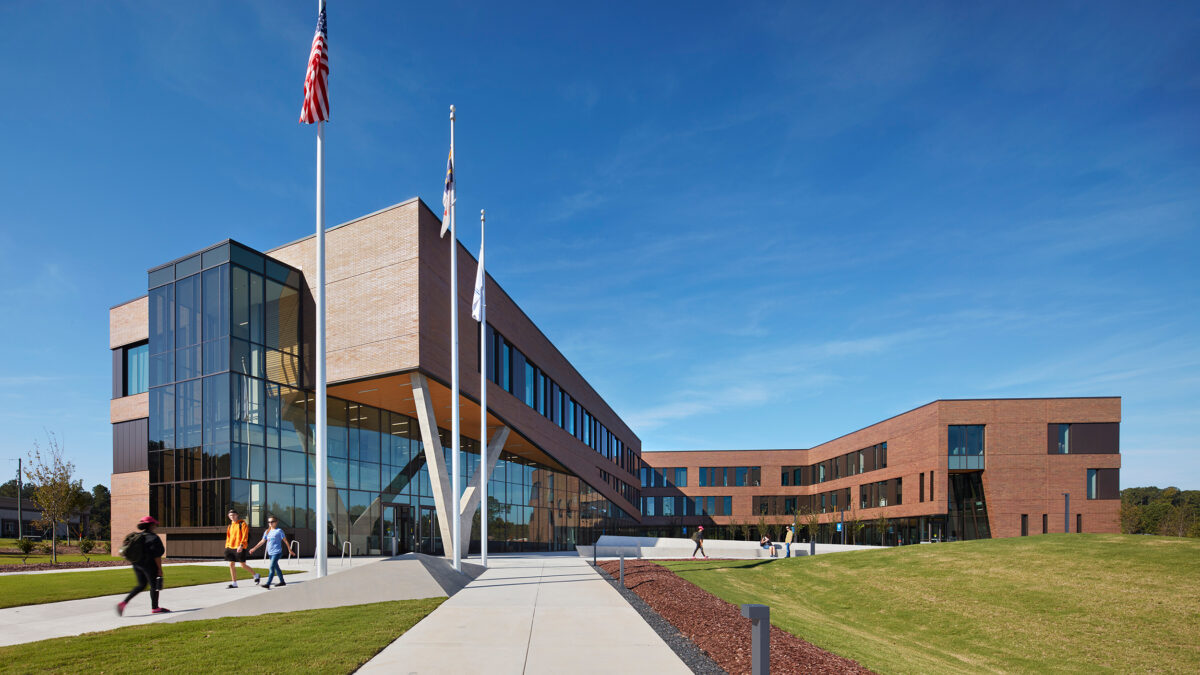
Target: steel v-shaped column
point(439, 477)
point(435, 460)
point(470, 499)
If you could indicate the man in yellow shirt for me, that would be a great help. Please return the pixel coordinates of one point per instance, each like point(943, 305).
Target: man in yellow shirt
point(236, 538)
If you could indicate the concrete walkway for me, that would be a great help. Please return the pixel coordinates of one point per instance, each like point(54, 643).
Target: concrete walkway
point(531, 614)
point(74, 617)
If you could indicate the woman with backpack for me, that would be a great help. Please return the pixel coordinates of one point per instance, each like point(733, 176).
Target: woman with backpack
point(145, 550)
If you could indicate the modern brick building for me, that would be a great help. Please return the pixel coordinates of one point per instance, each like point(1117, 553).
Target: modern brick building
point(213, 406)
point(213, 401)
point(956, 469)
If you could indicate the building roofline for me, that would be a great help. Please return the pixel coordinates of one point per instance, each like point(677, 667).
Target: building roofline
point(406, 202)
point(924, 405)
point(127, 302)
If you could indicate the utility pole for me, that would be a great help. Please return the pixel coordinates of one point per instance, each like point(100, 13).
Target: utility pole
point(20, 524)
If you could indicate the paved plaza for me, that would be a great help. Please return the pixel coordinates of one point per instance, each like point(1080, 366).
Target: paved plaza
point(532, 613)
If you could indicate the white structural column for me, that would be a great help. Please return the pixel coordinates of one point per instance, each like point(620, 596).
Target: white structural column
point(477, 489)
point(434, 460)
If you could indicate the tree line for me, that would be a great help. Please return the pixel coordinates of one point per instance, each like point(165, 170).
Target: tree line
point(1169, 512)
point(50, 484)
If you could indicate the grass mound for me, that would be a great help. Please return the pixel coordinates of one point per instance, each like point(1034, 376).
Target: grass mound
point(34, 589)
point(1071, 603)
point(337, 640)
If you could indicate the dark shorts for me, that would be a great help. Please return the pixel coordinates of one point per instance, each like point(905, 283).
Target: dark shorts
point(235, 556)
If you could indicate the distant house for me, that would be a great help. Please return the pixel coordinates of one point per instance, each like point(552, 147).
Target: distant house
point(31, 513)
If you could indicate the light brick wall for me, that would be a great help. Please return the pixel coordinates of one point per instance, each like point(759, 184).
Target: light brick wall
point(130, 501)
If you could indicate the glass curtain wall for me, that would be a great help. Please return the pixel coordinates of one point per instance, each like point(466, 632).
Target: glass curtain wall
point(231, 424)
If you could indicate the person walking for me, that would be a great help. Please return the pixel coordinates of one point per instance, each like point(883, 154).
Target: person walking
point(787, 540)
point(147, 568)
point(276, 542)
point(236, 539)
point(698, 537)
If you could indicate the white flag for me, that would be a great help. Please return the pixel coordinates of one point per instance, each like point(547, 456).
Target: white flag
point(477, 300)
point(448, 195)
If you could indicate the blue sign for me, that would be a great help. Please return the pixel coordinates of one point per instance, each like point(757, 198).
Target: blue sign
point(839, 527)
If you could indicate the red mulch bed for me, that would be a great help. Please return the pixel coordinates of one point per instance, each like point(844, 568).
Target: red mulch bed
point(718, 628)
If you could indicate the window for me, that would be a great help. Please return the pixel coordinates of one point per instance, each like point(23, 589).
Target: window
point(1064, 439)
point(137, 369)
point(1091, 482)
point(530, 385)
point(921, 495)
point(1045, 524)
point(966, 446)
point(726, 506)
point(740, 476)
point(681, 477)
point(1078, 523)
point(1024, 524)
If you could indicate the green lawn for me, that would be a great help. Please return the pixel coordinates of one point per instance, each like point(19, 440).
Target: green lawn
point(335, 640)
point(7, 558)
point(34, 589)
point(1062, 603)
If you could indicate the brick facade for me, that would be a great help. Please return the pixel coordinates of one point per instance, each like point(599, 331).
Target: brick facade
point(1020, 477)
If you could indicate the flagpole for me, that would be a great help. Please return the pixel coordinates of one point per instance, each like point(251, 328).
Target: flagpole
point(455, 486)
point(484, 474)
point(322, 506)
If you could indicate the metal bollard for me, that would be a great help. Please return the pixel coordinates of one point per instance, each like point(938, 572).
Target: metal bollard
point(622, 570)
point(760, 638)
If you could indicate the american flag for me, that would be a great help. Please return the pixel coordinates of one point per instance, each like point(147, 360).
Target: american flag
point(448, 194)
point(316, 80)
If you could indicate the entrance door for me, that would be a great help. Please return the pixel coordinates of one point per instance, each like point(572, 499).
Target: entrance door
point(388, 522)
point(397, 521)
point(430, 534)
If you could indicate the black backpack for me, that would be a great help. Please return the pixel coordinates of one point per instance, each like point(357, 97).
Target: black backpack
point(133, 548)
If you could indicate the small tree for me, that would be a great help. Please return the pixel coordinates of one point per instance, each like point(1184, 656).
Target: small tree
point(86, 546)
point(56, 495)
point(25, 546)
point(762, 527)
point(881, 525)
point(812, 521)
point(854, 524)
point(744, 529)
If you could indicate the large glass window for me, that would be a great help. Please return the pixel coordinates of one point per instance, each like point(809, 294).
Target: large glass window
point(1091, 482)
point(137, 369)
point(681, 477)
point(966, 446)
point(1064, 439)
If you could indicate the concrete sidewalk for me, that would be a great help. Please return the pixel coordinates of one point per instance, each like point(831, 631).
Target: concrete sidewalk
point(531, 614)
point(73, 617)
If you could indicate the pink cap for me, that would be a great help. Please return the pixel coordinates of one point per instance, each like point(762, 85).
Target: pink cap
point(147, 520)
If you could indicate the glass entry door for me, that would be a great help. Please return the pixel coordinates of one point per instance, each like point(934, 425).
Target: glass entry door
point(429, 533)
point(397, 522)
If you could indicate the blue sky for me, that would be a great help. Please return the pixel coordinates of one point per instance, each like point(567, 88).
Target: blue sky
point(748, 227)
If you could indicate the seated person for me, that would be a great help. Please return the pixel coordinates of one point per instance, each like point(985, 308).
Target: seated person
point(765, 542)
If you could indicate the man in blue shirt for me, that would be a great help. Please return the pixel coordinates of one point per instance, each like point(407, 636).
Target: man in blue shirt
point(276, 542)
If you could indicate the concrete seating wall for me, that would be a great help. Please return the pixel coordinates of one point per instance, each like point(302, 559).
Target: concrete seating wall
point(611, 546)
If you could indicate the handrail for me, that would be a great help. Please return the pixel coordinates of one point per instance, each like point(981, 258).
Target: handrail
point(294, 548)
point(347, 550)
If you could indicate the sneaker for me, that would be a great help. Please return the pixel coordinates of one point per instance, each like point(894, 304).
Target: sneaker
point(160, 610)
point(231, 586)
point(256, 579)
point(282, 583)
point(120, 609)
point(267, 587)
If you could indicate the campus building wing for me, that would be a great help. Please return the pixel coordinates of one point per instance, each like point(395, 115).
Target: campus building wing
point(949, 470)
point(213, 402)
